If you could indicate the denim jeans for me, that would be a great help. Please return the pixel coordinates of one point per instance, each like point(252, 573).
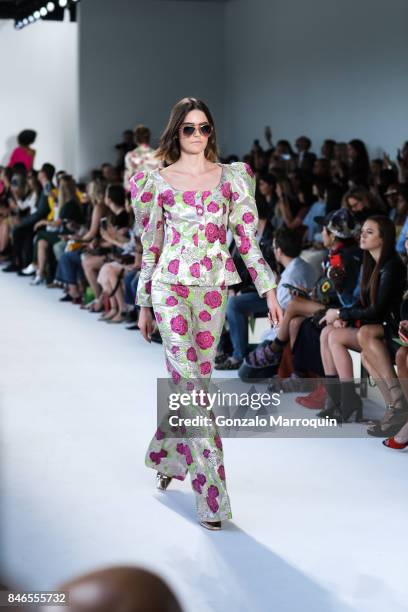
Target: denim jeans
point(69, 269)
point(239, 307)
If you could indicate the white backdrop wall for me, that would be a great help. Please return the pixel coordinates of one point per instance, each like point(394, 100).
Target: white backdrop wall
point(39, 90)
point(325, 68)
point(137, 58)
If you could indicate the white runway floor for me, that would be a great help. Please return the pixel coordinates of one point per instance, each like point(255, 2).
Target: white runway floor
point(320, 525)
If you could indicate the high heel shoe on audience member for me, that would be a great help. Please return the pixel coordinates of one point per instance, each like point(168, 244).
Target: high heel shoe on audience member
point(162, 481)
point(393, 420)
point(392, 443)
point(331, 410)
point(390, 424)
point(333, 397)
point(349, 409)
point(351, 402)
point(401, 442)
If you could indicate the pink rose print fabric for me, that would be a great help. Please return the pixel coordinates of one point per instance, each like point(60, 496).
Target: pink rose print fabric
point(186, 269)
point(184, 233)
point(190, 321)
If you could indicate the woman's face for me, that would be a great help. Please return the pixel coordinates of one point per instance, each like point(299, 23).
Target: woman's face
point(265, 188)
point(197, 142)
point(354, 205)
point(370, 238)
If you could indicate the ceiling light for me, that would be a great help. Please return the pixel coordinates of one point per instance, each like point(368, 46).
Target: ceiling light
point(50, 7)
point(43, 11)
point(63, 3)
point(25, 21)
point(37, 14)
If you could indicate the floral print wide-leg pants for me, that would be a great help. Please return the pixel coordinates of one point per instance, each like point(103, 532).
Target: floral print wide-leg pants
point(190, 320)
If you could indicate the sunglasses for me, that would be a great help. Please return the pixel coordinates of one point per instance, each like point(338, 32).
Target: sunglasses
point(188, 130)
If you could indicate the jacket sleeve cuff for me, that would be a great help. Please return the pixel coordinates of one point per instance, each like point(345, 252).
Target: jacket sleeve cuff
point(345, 314)
point(143, 294)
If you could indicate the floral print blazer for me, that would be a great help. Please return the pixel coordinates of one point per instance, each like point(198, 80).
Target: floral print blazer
point(184, 233)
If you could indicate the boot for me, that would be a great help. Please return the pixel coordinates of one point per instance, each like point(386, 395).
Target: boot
point(332, 402)
point(350, 401)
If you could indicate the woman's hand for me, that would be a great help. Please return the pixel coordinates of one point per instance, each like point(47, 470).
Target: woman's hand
point(145, 323)
point(275, 314)
point(330, 317)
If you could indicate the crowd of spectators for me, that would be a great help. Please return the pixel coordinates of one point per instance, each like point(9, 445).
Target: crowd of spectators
point(332, 225)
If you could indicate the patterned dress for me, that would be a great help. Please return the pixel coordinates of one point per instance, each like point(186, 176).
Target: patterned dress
point(186, 270)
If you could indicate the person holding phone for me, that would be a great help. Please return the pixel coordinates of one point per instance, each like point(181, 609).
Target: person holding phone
point(183, 213)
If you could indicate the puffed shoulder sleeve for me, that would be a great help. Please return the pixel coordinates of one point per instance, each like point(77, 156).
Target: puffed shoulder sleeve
point(243, 222)
point(149, 225)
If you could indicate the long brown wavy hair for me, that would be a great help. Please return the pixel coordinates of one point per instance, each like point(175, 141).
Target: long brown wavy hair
point(371, 269)
point(169, 146)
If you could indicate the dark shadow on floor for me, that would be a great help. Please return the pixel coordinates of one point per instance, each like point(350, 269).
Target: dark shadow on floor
point(243, 575)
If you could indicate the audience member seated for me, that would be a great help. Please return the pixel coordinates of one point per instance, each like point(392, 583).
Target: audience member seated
point(359, 163)
point(23, 231)
point(69, 272)
point(335, 287)
point(381, 348)
point(362, 203)
point(297, 275)
point(382, 282)
point(66, 216)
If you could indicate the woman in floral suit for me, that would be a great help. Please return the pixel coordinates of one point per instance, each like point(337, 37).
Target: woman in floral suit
point(183, 213)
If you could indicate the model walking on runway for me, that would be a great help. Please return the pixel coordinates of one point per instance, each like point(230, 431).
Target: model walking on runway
point(182, 214)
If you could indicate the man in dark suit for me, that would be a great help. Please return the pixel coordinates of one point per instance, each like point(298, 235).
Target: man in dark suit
point(305, 159)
